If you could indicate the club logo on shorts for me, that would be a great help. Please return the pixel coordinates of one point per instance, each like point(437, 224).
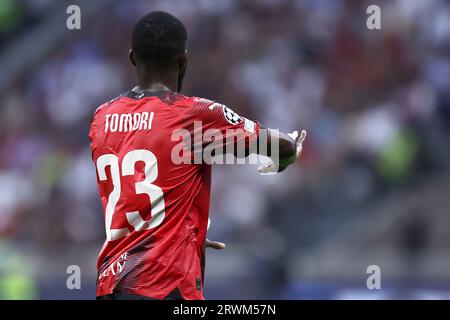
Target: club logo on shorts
point(231, 116)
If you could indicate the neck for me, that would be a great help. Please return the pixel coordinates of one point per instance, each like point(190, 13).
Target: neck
point(158, 81)
point(157, 86)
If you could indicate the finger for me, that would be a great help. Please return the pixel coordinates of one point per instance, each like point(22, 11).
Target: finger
point(300, 143)
point(302, 136)
point(215, 245)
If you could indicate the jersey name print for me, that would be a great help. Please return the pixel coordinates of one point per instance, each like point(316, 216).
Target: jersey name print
point(128, 121)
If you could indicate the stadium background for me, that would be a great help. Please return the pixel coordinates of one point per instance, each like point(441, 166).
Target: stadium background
point(372, 188)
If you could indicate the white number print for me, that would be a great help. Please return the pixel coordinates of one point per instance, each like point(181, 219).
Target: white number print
point(142, 187)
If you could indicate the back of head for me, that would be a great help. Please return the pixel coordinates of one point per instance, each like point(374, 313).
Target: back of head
point(158, 39)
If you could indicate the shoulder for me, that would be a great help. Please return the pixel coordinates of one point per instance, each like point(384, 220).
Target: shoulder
point(195, 104)
point(105, 105)
point(189, 101)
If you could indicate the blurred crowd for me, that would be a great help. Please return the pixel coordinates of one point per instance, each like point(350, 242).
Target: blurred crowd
point(376, 104)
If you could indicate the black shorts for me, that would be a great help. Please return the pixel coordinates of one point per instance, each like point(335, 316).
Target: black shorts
point(174, 295)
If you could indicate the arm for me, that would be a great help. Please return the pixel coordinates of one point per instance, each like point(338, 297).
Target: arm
point(241, 135)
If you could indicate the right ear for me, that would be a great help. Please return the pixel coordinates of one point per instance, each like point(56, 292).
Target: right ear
point(182, 60)
point(132, 58)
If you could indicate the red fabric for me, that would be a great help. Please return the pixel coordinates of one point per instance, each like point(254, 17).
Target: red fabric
point(153, 262)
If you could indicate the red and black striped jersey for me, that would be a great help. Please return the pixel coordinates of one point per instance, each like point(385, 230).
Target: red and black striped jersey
point(154, 191)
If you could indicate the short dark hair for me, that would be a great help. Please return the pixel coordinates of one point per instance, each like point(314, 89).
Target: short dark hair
point(157, 39)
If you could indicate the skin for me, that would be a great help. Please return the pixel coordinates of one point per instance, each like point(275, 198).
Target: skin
point(157, 78)
point(170, 78)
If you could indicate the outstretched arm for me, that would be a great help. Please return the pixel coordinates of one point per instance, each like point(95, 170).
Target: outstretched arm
point(238, 135)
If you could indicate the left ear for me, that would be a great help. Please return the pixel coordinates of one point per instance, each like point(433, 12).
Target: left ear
point(132, 58)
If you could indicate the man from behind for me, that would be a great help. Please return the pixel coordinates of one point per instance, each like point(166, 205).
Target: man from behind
point(154, 188)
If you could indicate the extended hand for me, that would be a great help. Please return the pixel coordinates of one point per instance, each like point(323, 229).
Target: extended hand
point(271, 167)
